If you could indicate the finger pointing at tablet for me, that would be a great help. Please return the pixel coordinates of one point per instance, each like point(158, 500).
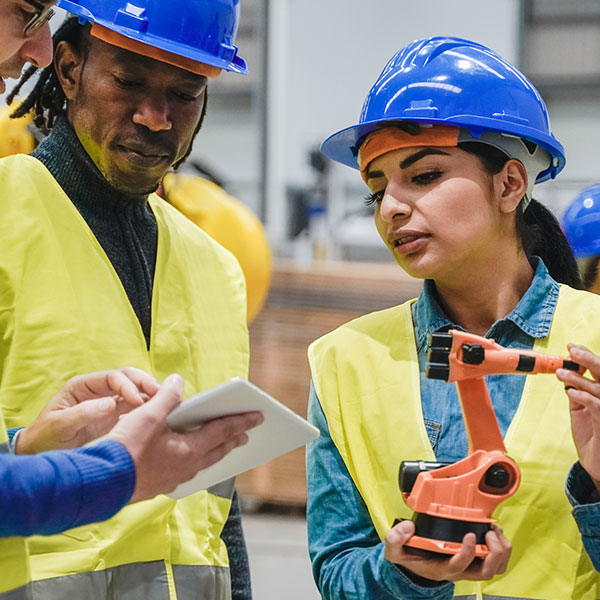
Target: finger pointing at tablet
point(163, 458)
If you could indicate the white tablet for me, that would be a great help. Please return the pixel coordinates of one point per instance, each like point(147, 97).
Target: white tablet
point(281, 431)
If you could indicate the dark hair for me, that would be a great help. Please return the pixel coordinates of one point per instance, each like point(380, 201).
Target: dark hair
point(538, 230)
point(47, 99)
point(589, 271)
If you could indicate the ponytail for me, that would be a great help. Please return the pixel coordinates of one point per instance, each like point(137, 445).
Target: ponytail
point(47, 100)
point(541, 235)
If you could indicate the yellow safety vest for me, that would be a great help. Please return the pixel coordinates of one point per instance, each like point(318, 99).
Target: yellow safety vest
point(64, 311)
point(366, 375)
point(14, 564)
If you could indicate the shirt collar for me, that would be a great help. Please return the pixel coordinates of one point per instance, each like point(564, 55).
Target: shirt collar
point(533, 314)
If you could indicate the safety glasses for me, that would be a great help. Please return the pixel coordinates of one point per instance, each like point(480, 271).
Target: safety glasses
point(43, 13)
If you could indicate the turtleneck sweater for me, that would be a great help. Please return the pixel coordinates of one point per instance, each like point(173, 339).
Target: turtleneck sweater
point(126, 228)
point(123, 224)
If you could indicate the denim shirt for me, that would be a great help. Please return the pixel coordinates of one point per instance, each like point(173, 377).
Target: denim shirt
point(346, 552)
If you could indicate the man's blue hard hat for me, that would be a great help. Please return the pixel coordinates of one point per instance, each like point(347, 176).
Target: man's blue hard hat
point(581, 223)
point(451, 81)
point(201, 30)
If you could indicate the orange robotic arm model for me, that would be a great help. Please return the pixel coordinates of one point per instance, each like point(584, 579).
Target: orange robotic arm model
point(451, 500)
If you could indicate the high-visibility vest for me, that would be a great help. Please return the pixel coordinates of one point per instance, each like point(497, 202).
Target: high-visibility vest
point(14, 564)
point(366, 375)
point(63, 312)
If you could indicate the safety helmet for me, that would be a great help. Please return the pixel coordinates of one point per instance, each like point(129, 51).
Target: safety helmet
point(581, 223)
point(452, 81)
point(199, 30)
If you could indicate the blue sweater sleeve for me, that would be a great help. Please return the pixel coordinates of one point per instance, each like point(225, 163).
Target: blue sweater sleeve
point(585, 500)
point(50, 492)
point(346, 552)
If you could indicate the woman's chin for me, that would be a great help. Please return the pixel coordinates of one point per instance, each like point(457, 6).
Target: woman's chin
point(416, 267)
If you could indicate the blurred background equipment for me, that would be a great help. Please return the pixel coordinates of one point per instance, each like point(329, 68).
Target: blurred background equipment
point(15, 135)
point(230, 223)
point(581, 224)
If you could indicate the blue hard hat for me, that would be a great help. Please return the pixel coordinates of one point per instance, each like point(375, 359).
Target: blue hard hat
point(581, 223)
point(451, 81)
point(201, 30)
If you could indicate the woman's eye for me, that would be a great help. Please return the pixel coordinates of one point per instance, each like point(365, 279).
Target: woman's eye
point(374, 198)
point(427, 177)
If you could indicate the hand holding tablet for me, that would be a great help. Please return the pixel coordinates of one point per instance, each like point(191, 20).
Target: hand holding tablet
point(282, 429)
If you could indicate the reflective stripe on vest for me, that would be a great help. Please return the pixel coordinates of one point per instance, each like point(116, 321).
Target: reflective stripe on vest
point(22, 593)
point(140, 581)
point(14, 563)
point(367, 379)
point(74, 317)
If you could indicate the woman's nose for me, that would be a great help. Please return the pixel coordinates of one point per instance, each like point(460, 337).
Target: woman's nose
point(392, 206)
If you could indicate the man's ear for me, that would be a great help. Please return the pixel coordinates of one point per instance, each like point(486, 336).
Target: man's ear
point(511, 185)
point(68, 64)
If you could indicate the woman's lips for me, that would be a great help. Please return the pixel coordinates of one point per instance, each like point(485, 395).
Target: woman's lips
point(408, 243)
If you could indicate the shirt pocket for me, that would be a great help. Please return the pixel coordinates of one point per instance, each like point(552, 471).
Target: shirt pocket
point(433, 432)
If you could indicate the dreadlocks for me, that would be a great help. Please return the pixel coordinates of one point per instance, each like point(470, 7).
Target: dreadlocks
point(47, 99)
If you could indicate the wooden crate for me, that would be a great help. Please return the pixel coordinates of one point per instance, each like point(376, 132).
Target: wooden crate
point(304, 304)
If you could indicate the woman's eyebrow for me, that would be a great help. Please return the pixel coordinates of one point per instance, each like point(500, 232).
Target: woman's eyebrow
point(413, 158)
point(408, 161)
point(374, 174)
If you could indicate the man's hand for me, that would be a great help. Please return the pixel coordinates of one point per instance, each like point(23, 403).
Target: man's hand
point(163, 458)
point(584, 402)
point(455, 567)
point(87, 407)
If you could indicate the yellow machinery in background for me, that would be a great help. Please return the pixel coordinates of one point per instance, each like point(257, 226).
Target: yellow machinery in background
point(229, 222)
point(15, 136)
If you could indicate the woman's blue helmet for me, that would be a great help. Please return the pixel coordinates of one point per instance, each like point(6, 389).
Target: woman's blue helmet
point(581, 223)
point(200, 30)
point(451, 81)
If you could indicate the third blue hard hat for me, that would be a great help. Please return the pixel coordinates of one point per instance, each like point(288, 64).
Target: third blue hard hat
point(581, 223)
point(455, 82)
point(199, 30)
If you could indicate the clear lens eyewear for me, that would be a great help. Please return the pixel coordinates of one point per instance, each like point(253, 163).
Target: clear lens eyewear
point(43, 13)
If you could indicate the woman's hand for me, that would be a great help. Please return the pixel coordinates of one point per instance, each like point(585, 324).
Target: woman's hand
point(455, 567)
point(584, 400)
point(87, 407)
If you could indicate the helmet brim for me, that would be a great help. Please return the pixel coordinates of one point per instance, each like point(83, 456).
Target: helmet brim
point(343, 145)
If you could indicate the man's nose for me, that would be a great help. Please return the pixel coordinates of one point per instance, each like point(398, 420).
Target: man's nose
point(153, 113)
point(37, 49)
